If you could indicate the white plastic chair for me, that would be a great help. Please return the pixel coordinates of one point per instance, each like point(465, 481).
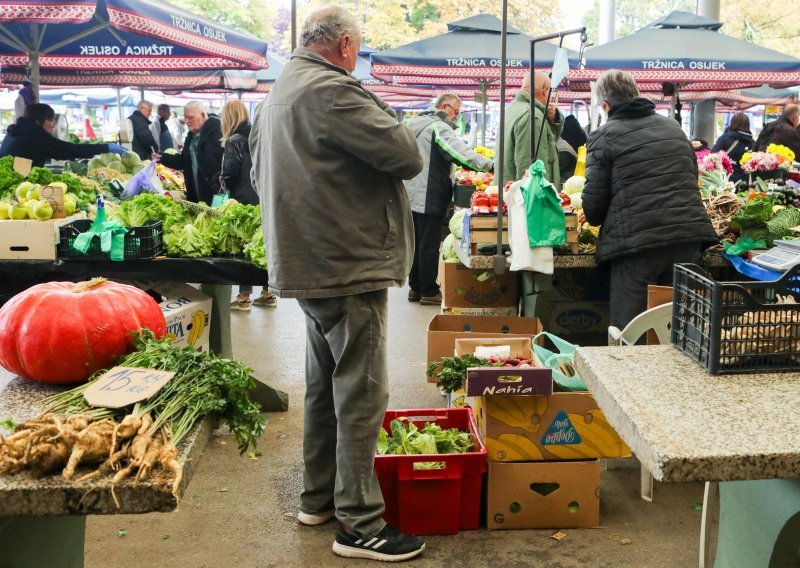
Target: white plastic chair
point(658, 320)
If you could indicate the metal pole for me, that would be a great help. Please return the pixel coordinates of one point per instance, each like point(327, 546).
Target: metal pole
point(119, 114)
point(500, 258)
point(485, 96)
point(607, 24)
point(35, 76)
point(294, 24)
point(704, 112)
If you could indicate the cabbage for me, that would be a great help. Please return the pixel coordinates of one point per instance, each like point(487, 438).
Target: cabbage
point(457, 223)
point(574, 185)
point(448, 250)
point(577, 200)
point(129, 160)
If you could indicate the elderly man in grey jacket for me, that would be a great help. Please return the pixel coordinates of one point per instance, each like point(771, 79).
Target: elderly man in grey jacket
point(329, 158)
point(432, 190)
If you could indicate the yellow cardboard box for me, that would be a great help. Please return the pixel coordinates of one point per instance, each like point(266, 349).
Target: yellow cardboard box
point(562, 426)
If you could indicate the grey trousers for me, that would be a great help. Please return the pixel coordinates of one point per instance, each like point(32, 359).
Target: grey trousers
point(346, 398)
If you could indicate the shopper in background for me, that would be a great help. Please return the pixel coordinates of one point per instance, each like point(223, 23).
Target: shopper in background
point(201, 158)
point(24, 98)
point(329, 158)
point(698, 144)
point(144, 143)
point(176, 130)
point(431, 191)
point(735, 141)
point(572, 138)
point(517, 133)
point(165, 140)
point(782, 131)
point(235, 178)
point(32, 138)
point(641, 187)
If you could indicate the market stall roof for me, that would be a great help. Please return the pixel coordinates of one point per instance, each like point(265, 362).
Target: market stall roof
point(688, 50)
point(465, 55)
point(119, 35)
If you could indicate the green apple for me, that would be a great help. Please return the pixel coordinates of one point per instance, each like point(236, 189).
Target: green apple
point(34, 192)
point(29, 205)
point(5, 208)
point(69, 207)
point(18, 211)
point(22, 190)
point(43, 211)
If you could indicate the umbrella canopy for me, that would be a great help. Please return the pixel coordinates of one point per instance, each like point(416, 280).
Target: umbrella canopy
point(687, 49)
point(467, 54)
point(119, 35)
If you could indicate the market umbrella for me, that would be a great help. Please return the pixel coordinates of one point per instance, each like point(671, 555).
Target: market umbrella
point(689, 51)
point(467, 55)
point(119, 35)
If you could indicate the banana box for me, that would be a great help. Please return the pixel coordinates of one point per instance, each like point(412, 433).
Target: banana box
point(561, 426)
point(186, 309)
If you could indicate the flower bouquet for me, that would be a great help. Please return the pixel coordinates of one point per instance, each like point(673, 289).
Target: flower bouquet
point(715, 170)
point(773, 163)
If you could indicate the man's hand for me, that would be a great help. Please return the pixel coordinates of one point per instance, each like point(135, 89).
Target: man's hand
point(552, 109)
point(155, 156)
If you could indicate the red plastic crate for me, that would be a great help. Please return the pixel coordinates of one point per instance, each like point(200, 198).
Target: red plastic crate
point(433, 501)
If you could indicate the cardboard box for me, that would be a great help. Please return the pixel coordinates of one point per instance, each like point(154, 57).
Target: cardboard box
point(510, 311)
point(562, 426)
point(543, 495)
point(508, 381)
point(188, 314)
point(464, 287)
point(443, 330)
point(32, 240)
point(570, 317)
point(657, 296)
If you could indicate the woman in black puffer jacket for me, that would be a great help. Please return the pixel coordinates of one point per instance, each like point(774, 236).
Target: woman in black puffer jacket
point(235, 177)
point(735, 141)
point(641, 187)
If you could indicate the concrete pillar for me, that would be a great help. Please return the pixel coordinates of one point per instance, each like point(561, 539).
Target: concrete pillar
point(608, 10)
point(703, 117)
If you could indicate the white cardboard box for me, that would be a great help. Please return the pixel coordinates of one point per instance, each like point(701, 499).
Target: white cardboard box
point(186, 309)
point(32, 240)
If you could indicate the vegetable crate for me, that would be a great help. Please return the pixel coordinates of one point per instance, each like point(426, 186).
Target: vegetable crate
point(462, 195)
point(433, 501)
point(146, 241)
point(483, 230)
point(573, 233)
point(737, 327)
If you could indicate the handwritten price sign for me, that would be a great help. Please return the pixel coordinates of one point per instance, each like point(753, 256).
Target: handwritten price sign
point(123, 386)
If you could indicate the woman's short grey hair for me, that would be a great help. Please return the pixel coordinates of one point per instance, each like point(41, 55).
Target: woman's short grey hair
point(615, 87)
point(327, 25)
point(446, 99)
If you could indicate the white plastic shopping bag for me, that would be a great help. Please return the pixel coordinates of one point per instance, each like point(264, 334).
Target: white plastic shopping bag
point(523, 256)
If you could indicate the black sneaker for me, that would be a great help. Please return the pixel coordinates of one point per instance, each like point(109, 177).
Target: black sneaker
point(389, 545)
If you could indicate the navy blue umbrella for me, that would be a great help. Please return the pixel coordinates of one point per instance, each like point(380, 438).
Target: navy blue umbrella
point(688, 50)
point(119, 35)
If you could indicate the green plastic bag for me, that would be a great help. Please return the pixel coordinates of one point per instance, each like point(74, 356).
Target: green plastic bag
point(558, 362)
point(547, 226)
point(743, 245)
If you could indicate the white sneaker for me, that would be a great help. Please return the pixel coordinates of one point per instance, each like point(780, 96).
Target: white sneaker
point(314, 519)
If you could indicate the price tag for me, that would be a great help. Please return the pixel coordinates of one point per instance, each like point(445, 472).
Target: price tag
point(22, 166)
point(55, 195)
point(123, 386)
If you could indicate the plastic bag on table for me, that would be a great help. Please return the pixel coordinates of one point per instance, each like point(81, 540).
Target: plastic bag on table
point(523, 255)
point(562, 363)
point(144, 181)
point(547, 226)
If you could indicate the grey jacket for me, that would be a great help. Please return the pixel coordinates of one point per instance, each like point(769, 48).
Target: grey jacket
point(328, 160)
point(432, 190)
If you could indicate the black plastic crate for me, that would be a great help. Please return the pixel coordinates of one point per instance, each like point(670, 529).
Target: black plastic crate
point(462, 195)
point(146, 241)
point(736, 327)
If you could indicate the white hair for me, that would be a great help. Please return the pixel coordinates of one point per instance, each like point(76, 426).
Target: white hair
point(196, 106)
point(326, 26)
point(144, 104)
point(446, 99)
point(615, 87)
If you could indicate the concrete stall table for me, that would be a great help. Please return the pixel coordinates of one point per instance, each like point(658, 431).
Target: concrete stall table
point(42, 521)
point(686, 425)
point(215, 275)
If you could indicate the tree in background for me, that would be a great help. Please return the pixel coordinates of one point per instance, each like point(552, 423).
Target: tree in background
point(252, 16)
point(764, 22)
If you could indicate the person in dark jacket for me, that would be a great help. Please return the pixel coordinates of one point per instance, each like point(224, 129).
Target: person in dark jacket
point(782, 131)
point(143, 142)
point(165, 140)
point(735, 141)
point(32, 138)
point(235, 178)
point(572, 138)
point(201, 159)
point(641, 188)
point(431, 191)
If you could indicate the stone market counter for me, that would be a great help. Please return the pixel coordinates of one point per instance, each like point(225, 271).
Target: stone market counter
point(684, 424)
point(52, 510)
